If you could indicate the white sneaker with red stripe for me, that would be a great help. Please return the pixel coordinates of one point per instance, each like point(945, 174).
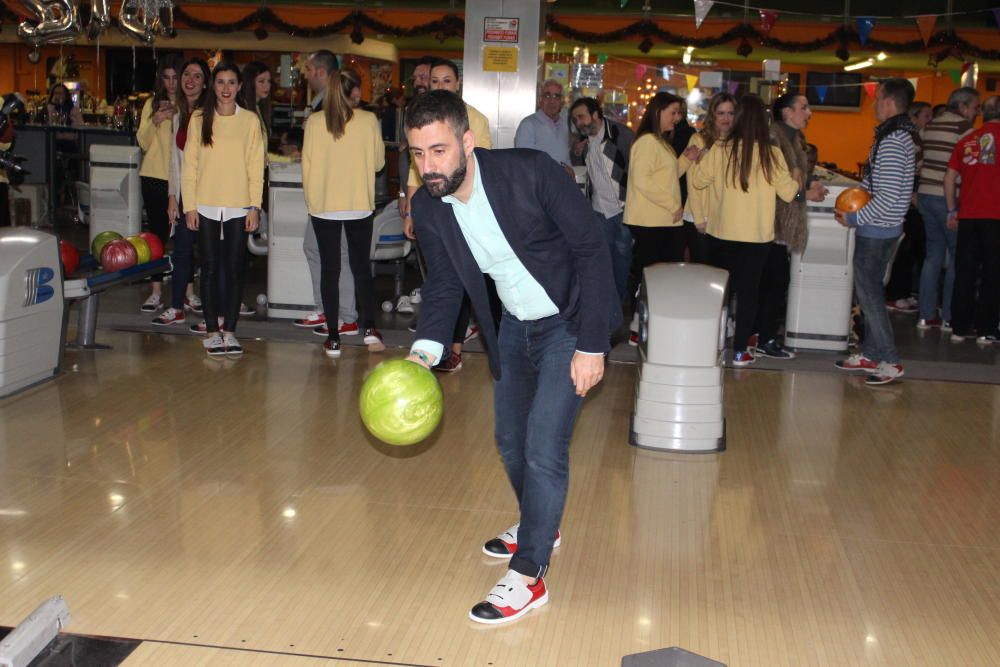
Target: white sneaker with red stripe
point(313, 319)
point(510, 599)
point(504, 545)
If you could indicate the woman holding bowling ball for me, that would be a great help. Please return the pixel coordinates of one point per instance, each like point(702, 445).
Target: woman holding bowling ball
point(340, 198)
point(222, 184)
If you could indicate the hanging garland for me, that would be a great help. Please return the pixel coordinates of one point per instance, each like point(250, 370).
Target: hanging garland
point(943, 42)
point(842, 36)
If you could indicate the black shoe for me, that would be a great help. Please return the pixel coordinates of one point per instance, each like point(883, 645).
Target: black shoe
point(331, 348)
point(773, 350)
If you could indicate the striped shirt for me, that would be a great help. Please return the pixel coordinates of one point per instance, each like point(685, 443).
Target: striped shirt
point(890, 182)
point(940, 137)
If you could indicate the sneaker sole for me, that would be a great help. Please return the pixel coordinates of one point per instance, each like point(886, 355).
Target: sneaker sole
point(308, 326)
point(555, 545)
point(881, 381)
point(167, 324)
point(855, 370)
point(233, 354)
point(786, 357)
point(216, 353)
point(498, 621)
point(350, 333)
point(332, 355)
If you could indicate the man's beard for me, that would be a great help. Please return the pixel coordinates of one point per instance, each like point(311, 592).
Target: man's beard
point(448, 184)
point(419, 90)
point(588, 130)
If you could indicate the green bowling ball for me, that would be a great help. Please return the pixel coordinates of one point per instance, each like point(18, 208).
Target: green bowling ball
point(401, 402)
point(101, 240)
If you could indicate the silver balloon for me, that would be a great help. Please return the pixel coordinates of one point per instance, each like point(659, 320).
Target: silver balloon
point(58, 21)
point(100, 18)
point(131, 23)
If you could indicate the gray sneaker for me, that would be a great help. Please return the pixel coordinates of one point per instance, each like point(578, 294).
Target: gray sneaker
point(214, 345)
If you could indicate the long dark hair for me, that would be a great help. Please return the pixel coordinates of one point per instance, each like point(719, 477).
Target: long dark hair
point(251, 71)
point(710, 133)
point(160, 89)
point(182, 102)
point(650, 123)
point(337, 103)
point(66, 106)
point(751, 134)
point(208, 108)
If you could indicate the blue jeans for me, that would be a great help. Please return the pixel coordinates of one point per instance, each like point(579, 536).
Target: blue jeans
point(620, 244)
point(535, 403)
point(871, 259)
point(940, 239)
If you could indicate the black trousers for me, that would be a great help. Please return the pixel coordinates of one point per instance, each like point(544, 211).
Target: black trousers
point(465, 314)
point(773, 298)
point(4, 205)
point(154, 200)
point(222, 248)
point(653, 245)
point(359, 243)
point(745, 264)
point(977, 258)
point(695, 243)
point(905, 275)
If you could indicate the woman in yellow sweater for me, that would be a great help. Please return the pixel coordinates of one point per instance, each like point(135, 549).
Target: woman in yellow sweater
point(155, 137)
point(653, 206)
point(341, 152)
point(701, 203)
point(222, 183)
point(745, 173)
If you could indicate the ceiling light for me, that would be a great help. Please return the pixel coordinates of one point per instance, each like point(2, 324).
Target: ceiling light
point(861, 65)
point(881, 56)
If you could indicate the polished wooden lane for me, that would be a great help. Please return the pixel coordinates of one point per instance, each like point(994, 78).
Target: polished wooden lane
point(240, 504)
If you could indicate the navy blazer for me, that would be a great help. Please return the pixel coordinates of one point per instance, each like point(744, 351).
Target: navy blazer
point(552, 229)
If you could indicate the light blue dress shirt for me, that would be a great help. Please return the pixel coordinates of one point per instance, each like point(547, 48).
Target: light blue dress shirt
point(519, 292)
point(540, 132)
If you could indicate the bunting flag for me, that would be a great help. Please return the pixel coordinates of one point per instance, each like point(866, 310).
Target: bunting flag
point(640, 71)
point(865, 25)
point(965, 67)
point(821, 94)
point(701, 10)
point(602, 58)
point(692, 81)
point(926, 26)
point(956, 76)
point(870, 88)
point(768, 17)
point(733, 87)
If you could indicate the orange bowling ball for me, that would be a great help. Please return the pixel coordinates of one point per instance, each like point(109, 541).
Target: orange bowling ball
point(852, 200)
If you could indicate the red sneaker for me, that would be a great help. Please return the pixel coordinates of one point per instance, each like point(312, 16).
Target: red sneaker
point(451, 363)
point(510, 599)
point(856, 362)
point(168, 317)
point(348, 329)
point(313, 319)
point(504, 545)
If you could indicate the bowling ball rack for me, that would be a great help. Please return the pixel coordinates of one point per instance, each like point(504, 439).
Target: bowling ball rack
point(88, 284)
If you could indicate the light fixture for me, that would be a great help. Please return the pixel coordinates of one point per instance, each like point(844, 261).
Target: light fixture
point(881, 56)
point(861, 65)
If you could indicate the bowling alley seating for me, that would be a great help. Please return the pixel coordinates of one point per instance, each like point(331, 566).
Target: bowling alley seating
point(390, 247)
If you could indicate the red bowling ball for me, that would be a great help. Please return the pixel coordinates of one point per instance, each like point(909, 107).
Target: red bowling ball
point(69, 256)
point(118, 255)
point(154, 243)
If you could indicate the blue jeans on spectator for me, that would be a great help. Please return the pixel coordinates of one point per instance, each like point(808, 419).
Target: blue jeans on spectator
point(183, 261)
point(940, 240)
point(620, 244)
point(871, 259)
point(536, 405)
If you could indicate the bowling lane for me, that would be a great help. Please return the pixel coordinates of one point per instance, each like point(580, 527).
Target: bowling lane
point(241, 504)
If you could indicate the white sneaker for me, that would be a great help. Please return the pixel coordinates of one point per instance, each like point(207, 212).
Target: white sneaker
point(168, 317)
point(415, 296)
point(151, 305)
point(193, 303)
point(214, 345)
point(233, 347)
point(404, 305)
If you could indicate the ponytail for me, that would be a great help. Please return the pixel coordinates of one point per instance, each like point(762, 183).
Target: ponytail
point(337, 105)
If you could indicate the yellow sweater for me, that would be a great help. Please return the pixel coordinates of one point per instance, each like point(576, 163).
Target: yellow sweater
point(155, 142)
point(743, 216)
point(3, 172)
point(339, 174)
point(228, 173)
point(653, 194)
point(701, 204)
point(480, 126)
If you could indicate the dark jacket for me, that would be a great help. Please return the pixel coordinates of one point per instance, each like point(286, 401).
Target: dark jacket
point(550, 227)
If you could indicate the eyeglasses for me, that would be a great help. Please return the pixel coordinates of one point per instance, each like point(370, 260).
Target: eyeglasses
point(551, 96)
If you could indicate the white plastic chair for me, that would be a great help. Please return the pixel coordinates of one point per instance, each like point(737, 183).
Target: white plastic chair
point(390, 247)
